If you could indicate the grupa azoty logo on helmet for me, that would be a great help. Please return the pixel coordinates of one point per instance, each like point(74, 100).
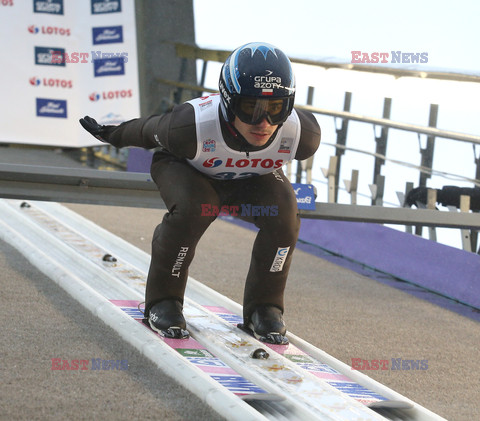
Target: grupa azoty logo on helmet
point(267, 82)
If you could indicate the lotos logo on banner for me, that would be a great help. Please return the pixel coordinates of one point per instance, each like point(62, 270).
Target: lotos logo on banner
point(34, 81)
point(119, 94)
point(107, 35)
point(45, 56)
point(106, 6)
point(54, 7)
point(49, 30)
point(51, 108)
point(51, 82)
point(109, 66)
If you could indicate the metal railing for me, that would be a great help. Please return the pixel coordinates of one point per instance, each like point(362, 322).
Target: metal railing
point(115, 188)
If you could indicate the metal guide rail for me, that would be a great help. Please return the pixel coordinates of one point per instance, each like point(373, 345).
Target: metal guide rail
point(27, 182)
point(107, 274)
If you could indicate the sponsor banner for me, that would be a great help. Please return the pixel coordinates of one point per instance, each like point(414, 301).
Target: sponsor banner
point(107, 35)
point(106, 6)
point(109, 67)
point(53, 7)
point(71, 59)
point(305, 194)
point(47, 107)
point(45, 56)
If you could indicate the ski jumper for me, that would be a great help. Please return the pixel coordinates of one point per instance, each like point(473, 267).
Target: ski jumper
point(202, 166)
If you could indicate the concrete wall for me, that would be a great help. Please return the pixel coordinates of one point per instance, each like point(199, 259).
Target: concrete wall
point(161, 24)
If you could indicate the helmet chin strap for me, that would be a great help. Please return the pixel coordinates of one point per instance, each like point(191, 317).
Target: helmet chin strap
point(244, 145)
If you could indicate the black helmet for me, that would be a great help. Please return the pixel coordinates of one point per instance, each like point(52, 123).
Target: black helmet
point(257, 82)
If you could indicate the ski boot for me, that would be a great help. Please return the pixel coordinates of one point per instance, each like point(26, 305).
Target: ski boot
point(266, 324)
point(166, 318)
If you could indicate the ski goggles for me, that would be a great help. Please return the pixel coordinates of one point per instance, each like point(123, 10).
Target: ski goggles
point(253, 110)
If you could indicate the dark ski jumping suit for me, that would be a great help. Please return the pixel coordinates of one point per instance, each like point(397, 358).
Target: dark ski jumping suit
point(202, 163)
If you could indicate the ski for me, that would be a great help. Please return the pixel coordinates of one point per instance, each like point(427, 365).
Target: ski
point(202, 358)
point(321, 370)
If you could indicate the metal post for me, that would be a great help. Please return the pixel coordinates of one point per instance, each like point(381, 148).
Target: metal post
point(330, 174)
point(177, 96)
point(204, 73)
point(342, 140)
point(477, 162)
point(431, 204)
point(352, 187)
point(377, 190)
point(465, 207)
point(381, 141)
point(408, 188)
point(427, 153)
point(474, 241)
point(306, 166)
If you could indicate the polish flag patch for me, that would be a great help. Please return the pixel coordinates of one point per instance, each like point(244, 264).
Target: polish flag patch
point(267, 91)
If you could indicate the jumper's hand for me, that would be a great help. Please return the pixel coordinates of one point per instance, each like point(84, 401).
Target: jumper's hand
point(101, 132)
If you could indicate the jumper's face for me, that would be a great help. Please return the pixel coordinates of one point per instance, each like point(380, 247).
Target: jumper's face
point(257, 134)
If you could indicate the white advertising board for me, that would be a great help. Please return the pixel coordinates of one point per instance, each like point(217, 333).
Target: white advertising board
point(64, 59)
